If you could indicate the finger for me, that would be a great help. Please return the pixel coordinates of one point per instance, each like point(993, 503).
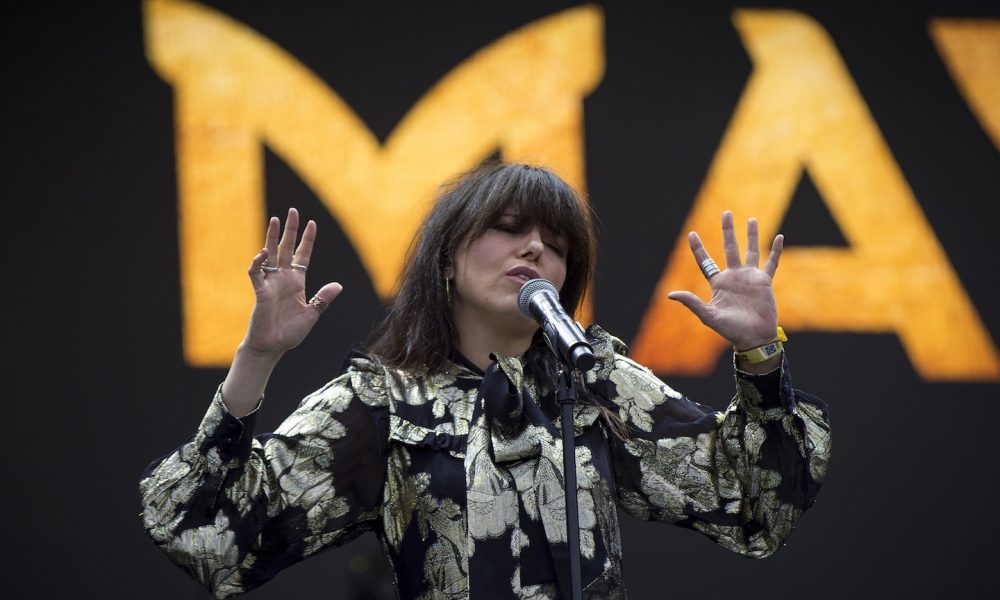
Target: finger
point(772, 260)
point(753, 244)
point(256, 273)
point(691, 301)
point(701, 256)
point(325, 296)
point(729, 244)
point(287, 245)
point(697, 247)
point(271, 238)
point(304, 251)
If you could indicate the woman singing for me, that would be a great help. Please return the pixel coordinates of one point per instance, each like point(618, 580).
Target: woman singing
point(443, 436)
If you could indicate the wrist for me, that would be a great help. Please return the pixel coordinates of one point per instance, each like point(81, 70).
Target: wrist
point(763, 352)
point(244, 385)
point(761, 368)
point(747, 345)
point(247, 351)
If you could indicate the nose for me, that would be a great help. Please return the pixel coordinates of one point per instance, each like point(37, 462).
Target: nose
point(533, 245)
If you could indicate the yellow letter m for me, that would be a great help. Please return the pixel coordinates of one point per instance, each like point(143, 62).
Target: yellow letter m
point(235, 91)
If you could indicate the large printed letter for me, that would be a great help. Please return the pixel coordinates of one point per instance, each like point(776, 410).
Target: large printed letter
point(235, 91)
point(971, 50)
point(801, 110)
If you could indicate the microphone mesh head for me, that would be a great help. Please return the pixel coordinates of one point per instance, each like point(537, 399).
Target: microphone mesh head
point(529, 289)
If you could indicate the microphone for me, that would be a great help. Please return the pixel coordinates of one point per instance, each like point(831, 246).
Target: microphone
point(539, 300)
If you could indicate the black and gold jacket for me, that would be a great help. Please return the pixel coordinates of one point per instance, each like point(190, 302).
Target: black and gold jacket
point(461, 476)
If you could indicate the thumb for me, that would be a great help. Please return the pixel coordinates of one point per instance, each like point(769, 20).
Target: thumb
point(328, 293)
point(691, 301)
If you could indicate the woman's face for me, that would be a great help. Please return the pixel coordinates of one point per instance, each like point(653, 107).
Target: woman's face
point(488, 272)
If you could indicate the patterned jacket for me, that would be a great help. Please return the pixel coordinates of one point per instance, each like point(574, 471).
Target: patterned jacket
point(460, 474)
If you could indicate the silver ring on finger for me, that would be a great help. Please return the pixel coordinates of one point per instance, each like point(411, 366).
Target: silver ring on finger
point(267, 269)
point(302, 268)
point(709, 268)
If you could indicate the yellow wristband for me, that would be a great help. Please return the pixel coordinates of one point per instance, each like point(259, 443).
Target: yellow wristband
point(762, 353)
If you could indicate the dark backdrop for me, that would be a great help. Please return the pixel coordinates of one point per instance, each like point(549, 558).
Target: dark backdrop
point(98, 387)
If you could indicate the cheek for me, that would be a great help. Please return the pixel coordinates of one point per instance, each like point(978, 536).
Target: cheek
point(469, 268)
point(562, 280)
point(482, 251)
point(462, 280)
point(557, 273)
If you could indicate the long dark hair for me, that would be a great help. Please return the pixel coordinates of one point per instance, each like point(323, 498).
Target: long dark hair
point(417, 332)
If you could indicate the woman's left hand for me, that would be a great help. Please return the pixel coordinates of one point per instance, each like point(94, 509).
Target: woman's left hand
point(742, 308)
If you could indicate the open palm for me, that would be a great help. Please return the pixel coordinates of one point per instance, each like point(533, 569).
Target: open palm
point(281, 316)
point(742, 308)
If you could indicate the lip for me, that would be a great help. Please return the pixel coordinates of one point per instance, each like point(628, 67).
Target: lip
point(522, 274)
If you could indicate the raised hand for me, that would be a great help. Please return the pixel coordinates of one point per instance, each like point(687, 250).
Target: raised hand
point(742, 308)
point(281, 316)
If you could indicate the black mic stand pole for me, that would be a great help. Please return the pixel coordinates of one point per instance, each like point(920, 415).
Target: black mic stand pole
point(566, 395)
point(539, 300)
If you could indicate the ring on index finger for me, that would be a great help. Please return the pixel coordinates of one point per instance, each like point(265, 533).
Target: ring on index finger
point(709, 268)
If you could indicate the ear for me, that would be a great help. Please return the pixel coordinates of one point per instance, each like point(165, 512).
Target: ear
point(449, 272)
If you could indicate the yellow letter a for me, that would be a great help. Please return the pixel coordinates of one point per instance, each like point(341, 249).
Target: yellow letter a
point(801, 109)
point(971, 50)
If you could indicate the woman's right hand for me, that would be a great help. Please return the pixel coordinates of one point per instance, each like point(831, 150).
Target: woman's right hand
point(281, 316)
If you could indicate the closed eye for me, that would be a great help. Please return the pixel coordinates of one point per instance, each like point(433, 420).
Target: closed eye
point(507, 228)
point(512, 226)
point(557, 248)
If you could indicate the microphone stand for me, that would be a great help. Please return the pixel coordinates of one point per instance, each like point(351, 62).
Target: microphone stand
point(566, 396)
point(539, 300)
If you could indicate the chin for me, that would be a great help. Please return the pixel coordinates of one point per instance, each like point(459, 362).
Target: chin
point(515, 321)
point(526, 325)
